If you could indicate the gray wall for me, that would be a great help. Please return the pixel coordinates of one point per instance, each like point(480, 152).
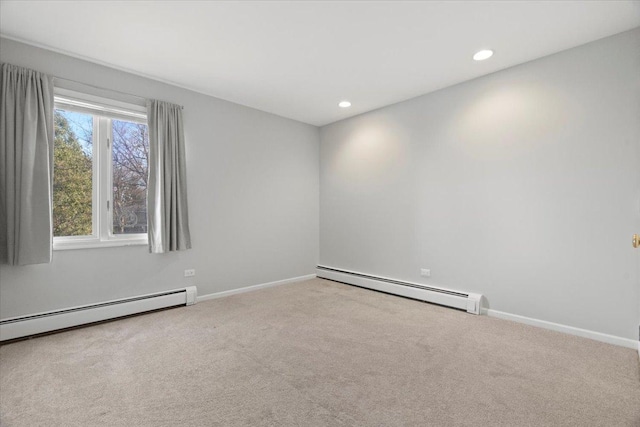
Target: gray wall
point(253, 203)
point(522, 185)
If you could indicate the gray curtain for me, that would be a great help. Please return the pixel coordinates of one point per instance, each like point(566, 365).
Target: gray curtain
point(167, 211)
point(26, 166)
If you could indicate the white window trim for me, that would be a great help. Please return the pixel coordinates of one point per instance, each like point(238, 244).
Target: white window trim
point(103, 110)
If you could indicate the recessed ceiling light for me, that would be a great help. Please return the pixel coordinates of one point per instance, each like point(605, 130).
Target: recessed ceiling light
point(344, 104)
point(483, 54)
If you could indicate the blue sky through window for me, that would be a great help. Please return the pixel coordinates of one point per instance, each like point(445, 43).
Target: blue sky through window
point(81, 125)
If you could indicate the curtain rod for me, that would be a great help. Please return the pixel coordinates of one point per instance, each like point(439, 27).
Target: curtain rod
point(106, 89)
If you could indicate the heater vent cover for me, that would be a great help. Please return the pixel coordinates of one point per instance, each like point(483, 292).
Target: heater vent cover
point(469, 302)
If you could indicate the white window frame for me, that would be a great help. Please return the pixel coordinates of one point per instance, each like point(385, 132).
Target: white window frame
point(103, 110)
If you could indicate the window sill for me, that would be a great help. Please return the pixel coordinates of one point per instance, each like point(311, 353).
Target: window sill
point(66, 245)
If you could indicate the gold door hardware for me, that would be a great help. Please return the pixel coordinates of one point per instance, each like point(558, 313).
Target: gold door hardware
point(635, 241)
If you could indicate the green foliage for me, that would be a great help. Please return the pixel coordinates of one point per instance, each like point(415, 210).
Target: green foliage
point(72, 192)
point(72, 183)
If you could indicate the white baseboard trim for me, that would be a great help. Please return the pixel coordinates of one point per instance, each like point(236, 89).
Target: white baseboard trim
point(585, 333)
point(470, 302)
point(254, 287)
point(38, 323)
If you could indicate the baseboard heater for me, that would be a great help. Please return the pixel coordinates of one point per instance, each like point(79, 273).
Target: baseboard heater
point(23, 326)
point(466, 301)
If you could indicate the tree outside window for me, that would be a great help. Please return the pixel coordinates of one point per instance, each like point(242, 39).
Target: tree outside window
point(92, 204)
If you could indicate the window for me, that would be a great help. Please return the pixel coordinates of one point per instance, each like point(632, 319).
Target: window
point(101, 156)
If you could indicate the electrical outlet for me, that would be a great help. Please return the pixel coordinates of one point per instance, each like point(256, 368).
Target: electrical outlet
point(425, 272)
point(189, 273)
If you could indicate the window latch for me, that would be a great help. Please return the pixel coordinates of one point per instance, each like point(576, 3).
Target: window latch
point(107, 205)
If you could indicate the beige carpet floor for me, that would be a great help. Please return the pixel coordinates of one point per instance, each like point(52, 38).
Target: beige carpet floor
point(316, 353)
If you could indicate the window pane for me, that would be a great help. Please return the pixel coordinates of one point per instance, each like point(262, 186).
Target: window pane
point(72, 174)
point(130, 155)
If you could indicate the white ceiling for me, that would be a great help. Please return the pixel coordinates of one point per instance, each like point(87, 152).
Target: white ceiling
point(299, 59)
